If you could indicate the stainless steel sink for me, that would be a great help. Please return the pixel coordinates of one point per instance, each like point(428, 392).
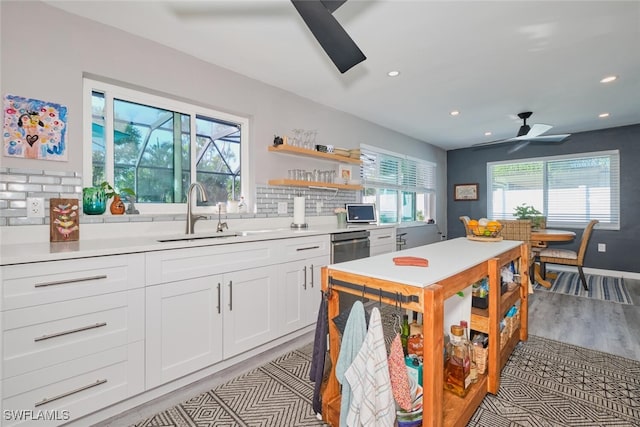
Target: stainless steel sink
point(197, 237)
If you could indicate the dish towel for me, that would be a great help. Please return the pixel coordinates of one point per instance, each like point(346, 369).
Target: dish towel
point(398, 375)
point(354, 334)
point(316, 371)
point(372, 400)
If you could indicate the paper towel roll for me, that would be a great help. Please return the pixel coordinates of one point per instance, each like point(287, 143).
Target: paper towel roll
point(298, 210)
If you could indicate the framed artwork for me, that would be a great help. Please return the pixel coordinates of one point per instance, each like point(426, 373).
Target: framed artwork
point(34, 129)
point(64, 220)
point(465, 192)
point(344, 174)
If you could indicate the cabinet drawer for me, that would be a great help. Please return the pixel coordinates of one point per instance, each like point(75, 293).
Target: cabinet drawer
point(39, 283)
point(303, 247)
point(383, 236)
point(180, 264)
point(36, 337)
point(75, 388)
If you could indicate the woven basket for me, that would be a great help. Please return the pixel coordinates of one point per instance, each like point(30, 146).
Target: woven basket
point(481, 356)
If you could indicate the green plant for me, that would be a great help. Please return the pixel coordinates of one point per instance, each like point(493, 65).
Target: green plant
point(110, 192)
point(525, 211)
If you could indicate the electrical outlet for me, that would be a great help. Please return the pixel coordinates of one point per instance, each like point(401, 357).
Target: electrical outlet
point(35, 207)
point(602, 247)
point(282, 207)
point(318, 207)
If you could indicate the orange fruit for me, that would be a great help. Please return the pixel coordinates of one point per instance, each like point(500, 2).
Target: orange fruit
point(493, 226)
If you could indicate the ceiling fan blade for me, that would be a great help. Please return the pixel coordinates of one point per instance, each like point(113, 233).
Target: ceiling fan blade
point(332, 5)
point(547, 138)
point(537, 129)
point(517, 147)
point(335, 41)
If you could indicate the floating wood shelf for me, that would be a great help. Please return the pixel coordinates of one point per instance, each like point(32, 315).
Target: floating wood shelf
point(296, 183)
point(299, 151)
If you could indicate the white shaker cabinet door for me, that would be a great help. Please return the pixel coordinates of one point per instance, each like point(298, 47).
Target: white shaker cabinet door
point(183, 328)
point(249, 309)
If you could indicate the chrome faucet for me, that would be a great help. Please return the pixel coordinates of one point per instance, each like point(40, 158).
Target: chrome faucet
point(221, 225)
point(191, 218)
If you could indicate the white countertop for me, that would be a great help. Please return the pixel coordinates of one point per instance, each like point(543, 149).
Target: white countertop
point(20, 253)
point(446, 258)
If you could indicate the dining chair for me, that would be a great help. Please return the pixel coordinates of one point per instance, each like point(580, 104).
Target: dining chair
point(465, 221)
point(519, 229)
point(567, 256)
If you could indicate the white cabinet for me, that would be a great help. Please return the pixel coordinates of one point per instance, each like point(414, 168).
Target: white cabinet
point(72, 336)
point(383, 240)
point(183, 328)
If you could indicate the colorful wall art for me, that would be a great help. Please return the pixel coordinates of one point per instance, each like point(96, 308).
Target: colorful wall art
point(34, 129)
point(64, 220)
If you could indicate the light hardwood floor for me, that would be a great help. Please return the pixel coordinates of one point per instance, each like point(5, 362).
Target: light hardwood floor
point(599, 325)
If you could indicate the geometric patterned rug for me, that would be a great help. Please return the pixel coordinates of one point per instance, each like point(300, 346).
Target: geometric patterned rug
point(544, 383)
point(600, 287)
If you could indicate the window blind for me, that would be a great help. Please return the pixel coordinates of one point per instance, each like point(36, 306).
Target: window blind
point(383, 169)
point(569, 190)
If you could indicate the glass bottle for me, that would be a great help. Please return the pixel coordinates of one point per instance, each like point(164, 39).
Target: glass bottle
point(404, 333)
point(456, 373)
point(473, 369)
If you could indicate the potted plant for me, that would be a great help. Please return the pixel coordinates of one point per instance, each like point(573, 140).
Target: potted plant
point(117, 206)
point(525, 211)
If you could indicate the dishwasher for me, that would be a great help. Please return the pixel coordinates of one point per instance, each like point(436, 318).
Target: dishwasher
point(348, 246)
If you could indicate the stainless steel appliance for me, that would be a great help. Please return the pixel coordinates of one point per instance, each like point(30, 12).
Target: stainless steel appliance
point(348, 246)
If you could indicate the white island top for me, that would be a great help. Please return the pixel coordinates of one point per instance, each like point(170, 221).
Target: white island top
point(446, 259)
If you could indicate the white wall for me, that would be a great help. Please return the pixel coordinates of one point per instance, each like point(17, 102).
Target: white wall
point(45, 52)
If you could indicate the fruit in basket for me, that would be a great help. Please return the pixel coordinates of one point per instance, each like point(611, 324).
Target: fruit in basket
point(484, 227)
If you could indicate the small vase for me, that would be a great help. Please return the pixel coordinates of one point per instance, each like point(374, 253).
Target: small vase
point(342, 219)
point(117, 206)
point(94, 201)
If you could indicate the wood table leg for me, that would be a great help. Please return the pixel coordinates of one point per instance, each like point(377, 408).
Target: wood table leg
point(538, 277)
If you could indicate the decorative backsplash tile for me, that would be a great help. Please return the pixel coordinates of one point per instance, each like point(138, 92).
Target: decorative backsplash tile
point(18, 184)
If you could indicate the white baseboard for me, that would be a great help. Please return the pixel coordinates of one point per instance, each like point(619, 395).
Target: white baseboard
point(596, 271)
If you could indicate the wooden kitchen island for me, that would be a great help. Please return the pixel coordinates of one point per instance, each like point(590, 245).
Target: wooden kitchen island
point(453, 266)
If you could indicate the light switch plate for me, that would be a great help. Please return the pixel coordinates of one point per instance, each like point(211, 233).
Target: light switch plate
point(282, 207)
point(602, 247)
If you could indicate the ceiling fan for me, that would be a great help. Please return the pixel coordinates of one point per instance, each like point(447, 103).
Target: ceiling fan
point(527, 134)
point(335, 41)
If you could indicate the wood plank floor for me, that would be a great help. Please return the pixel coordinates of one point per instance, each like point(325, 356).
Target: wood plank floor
point(598, 325)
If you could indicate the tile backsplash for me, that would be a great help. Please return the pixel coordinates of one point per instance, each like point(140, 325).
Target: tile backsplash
point(18, 184)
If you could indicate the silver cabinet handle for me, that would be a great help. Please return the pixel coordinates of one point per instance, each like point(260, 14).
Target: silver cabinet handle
point(312, 275)
point(64, 282)
point(69, 393)
point(307, 248)
point(384, 237)
point(70, 331)
point(304, 284)
point(230, 295)
point(218, 306)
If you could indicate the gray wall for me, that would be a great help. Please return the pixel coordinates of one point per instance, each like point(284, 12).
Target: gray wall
point(469, 165)
point(49, 65)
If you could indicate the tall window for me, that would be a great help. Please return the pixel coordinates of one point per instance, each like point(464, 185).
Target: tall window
point(158, 146)
point(569, 190)
point(402, 187)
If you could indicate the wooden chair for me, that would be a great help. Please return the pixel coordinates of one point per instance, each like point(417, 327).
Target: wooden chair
point(465, 221)
point(519, 229)
point(568, 257)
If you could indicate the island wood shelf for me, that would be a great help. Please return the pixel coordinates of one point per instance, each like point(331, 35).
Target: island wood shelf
point(328, 185)
point(299, 151)
point(440, 408)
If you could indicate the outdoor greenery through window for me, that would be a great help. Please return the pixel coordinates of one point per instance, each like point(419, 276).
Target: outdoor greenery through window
point(569, 190)
point(402, 187)
point(159, 146)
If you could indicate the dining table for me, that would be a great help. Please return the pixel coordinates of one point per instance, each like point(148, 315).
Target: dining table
point(540, 239)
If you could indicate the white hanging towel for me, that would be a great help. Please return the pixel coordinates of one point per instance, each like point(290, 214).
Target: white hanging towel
point(372, 402)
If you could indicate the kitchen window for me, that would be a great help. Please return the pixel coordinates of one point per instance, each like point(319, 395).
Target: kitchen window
point(402, 187)
point(158, 146)
point(569, 190)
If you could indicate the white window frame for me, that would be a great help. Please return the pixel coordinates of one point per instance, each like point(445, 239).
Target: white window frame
point(110, 91)
point(614, 185)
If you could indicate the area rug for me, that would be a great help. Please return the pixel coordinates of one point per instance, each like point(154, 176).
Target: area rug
point(544, 383)
point(600, 287)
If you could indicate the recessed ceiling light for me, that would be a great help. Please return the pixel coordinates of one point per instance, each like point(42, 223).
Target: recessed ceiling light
point(393, 73)
point(608, 79)
point(603, 115)
point(454, 113)
point(487, 134)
